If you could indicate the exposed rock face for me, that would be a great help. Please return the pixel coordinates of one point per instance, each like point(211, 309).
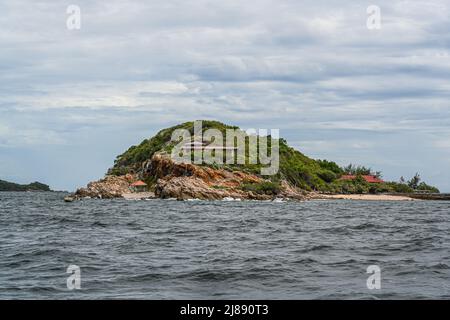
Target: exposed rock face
point(287, 191)
point(189, 181)
point(195, 188)
point(184, 181)
point(107, 188)
point(162, 166)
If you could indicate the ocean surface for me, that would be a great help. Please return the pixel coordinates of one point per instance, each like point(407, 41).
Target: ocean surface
point(165, 249)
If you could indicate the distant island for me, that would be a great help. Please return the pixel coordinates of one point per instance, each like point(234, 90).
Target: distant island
point(35, 186)
point(149, 170)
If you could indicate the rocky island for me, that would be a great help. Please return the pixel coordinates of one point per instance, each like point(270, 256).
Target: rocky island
point(35, 186)
point(150, 170)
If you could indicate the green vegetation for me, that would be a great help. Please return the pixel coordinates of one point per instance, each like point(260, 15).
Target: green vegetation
point(360, 186)
point(266, 187)
point(131, 160)
point(360, 170)
point(417, 184)
point(294, 167)
point(35, 186)
point(303, 172)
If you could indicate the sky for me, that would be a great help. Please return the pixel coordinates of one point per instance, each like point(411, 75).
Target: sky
point(72, 100)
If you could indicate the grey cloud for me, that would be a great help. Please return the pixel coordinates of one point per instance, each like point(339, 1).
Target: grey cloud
point(310, 68)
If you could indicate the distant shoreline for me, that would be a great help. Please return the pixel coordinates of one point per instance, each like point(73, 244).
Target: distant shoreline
point(6, 186)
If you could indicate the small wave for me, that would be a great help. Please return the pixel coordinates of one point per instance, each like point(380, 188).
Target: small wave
point(406, 272)
point(65, 220)
point(314, 248)
point(346, 262)
point(34, 253)
point(231, 199)
point(209, 275)
point(363, 226)
point(440, 266)
point(305, 260)
point(144, 277)
point(99, 224)
point(336, 230)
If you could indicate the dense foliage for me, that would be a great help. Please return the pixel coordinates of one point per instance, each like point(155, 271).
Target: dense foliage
point(266, 187)
point(131, 159)
point(360, 170)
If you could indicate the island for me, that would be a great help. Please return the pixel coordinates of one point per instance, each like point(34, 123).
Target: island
point(153, 169)
point(35, 186)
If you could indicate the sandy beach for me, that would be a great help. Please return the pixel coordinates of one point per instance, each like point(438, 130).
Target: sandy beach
point(371, 197)
point(138, 195)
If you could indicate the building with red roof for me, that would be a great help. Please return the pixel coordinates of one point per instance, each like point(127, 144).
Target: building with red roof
point(138, 186)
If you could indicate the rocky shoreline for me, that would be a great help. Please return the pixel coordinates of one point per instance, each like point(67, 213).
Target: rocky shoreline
point(184, 181)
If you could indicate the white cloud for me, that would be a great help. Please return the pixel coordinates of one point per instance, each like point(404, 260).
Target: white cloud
point(97, 95)
point(25, 137)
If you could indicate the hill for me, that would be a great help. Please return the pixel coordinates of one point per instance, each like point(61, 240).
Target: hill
point(295, 168)
point(35, 186)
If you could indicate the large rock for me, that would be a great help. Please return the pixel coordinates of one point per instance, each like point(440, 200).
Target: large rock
point(107, 188)
point(185, 181)
point(290, 192)
point(184, 188)
point(161, 166)
point(189, 181)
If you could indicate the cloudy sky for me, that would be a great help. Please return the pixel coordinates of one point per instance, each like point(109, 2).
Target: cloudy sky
point(71, 100)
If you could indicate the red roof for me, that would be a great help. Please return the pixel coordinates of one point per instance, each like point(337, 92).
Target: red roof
point(139, 183)
point(368, 178)
point(372, 179)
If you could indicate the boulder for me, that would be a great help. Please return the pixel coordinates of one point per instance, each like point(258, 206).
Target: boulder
point(107, 188)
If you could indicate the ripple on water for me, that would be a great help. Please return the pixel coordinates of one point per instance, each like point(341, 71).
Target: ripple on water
point(222, 249)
